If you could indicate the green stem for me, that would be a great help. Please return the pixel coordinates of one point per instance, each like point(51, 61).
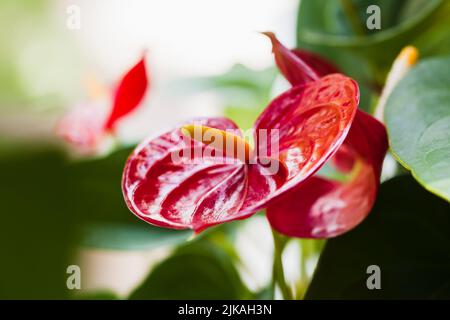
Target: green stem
point(278, 272)
point(353, 17)
point(307, 249)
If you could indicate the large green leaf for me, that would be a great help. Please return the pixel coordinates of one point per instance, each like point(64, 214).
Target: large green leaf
point(95, 189)
point(200, 270)
point(35, 226)
point(407, 235)
point(323, 27)
point(418, 122)
point(45, 205)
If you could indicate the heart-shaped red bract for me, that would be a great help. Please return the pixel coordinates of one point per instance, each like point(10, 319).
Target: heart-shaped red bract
point(168, 193)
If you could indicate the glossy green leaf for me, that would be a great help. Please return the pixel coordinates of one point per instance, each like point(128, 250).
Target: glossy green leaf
point(418, 121)
point(407, 235)
point(323, 27)
point(200, 270)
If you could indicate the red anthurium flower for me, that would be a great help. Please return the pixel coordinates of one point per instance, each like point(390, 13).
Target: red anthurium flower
point(86, 125)
point(322, 208)
point(295, 135)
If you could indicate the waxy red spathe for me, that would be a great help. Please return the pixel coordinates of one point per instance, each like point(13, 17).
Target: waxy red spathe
point(316, 119)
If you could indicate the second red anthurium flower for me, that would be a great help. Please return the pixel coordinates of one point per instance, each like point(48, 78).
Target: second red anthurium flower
point(86, 125)
point(317, 119)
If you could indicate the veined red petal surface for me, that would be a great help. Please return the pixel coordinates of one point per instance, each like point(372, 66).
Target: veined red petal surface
point(321, 208)
point(310, 121)
point(129, 93)
point(299, 131)
point(163, 185)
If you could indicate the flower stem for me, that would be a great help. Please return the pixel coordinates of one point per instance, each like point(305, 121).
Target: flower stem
point(309, 247)
point(279, 242)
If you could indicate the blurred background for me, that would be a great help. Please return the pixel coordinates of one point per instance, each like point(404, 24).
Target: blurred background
point(204, 58)
point(44, 62)
point(45, 59)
